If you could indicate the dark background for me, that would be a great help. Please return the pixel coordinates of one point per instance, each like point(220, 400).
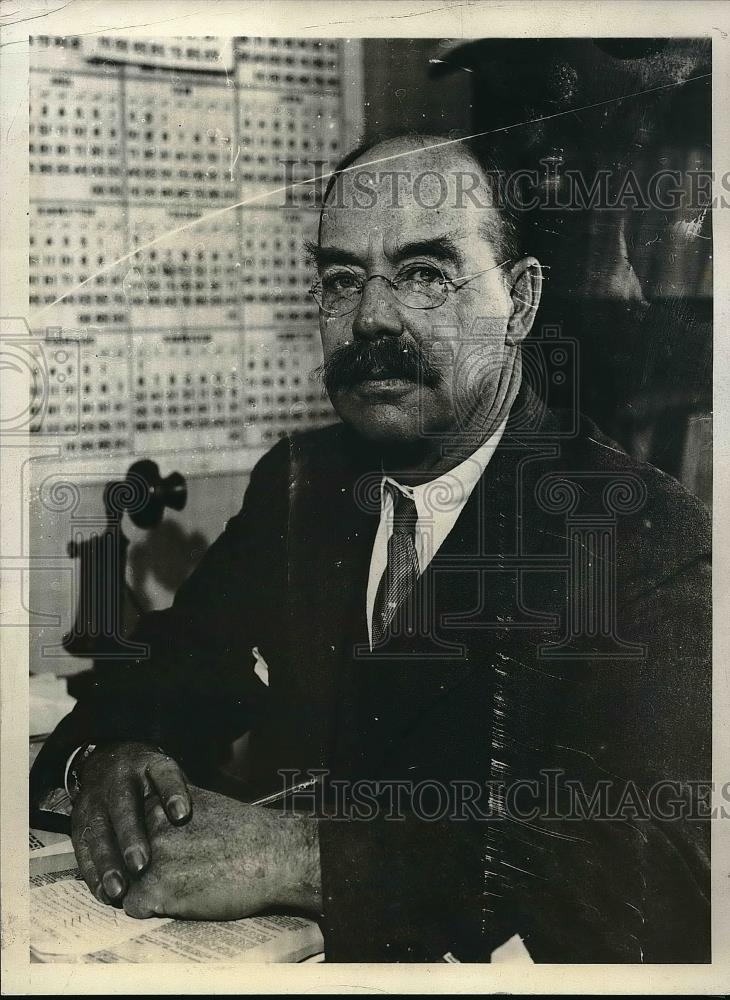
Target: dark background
point(632, 287)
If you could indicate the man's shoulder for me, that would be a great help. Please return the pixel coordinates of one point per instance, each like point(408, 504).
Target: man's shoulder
point(320, 440)
point(311, 459)
point(656, 517)
point(595, 450)
point(310, 444)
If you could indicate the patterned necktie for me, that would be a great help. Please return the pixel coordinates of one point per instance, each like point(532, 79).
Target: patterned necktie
point(402, 571)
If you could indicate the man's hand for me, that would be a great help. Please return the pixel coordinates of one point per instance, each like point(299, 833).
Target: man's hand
point(229, 861)
point(108, 821)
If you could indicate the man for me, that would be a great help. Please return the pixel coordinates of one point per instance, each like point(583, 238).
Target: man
point(429, 617)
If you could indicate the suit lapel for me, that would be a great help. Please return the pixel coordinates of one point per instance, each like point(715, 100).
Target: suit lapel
point(330, 541)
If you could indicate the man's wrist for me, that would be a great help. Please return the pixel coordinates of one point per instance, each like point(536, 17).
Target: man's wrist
point(71, 779)
point(303, 882)
point(76, 763)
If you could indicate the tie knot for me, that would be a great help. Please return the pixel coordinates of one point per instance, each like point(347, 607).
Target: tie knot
point(405, 514)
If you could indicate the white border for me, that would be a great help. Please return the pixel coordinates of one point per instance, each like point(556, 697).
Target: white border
point(418, 18)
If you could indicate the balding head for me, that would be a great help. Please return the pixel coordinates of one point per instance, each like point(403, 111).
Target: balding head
point(424, 162)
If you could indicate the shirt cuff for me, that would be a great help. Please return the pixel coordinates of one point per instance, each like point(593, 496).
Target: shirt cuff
point(86, 748)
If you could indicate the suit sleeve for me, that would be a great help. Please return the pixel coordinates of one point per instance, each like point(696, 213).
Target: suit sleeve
point(195, 691)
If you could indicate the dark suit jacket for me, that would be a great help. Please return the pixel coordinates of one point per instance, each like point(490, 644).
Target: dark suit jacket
point(599, 673)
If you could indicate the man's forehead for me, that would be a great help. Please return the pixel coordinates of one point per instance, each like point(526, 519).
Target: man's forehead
point(397, 185)
point(415, 175)
point(405, 155)
point(398, 225)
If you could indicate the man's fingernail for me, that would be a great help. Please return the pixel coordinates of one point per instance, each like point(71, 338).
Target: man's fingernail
point(113, 884)
point(177, 807)
point(101, 895)
point(135, 858)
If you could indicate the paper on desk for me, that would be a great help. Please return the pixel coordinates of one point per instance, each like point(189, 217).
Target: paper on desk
point(69, 925)
point(272, 939)
point(43, 840)
point(48, 878)
point(49, 852)
point(67, 920)
point(512, 952)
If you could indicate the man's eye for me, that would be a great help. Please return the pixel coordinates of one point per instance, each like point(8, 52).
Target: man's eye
point(420, 274)
point(340, 281)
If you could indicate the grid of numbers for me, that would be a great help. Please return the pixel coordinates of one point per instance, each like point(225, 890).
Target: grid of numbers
point(158, 248)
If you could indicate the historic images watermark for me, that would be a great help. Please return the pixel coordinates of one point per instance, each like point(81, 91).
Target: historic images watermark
point(551, 797)
point(525, 190)
point(42, 406)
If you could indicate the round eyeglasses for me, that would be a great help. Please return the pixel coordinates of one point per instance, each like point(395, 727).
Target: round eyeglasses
point(417, 286)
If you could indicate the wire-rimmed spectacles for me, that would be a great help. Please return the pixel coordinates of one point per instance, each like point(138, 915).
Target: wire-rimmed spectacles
point(417, 285)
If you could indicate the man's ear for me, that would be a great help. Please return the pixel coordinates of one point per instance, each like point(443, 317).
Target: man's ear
point(525, 280)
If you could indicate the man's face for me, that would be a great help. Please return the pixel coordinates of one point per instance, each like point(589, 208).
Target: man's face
point(431, 225)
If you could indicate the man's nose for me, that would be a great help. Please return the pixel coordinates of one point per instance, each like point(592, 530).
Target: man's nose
point(378, 313)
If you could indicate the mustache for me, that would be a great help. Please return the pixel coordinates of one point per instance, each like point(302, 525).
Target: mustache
point(389, 357)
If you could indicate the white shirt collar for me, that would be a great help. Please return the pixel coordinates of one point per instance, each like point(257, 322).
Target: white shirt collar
point(438, 505)
point(446, 494)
